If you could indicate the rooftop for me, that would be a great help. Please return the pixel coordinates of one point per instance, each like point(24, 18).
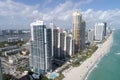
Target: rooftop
point(38, 22)
point(76, 12)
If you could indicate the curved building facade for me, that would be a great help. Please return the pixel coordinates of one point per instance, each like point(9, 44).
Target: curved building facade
point(78, 31)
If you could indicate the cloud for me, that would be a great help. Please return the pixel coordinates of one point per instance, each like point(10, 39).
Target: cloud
point(82, 2)
point(110, 16)
point(19, 15)
point(61, 12)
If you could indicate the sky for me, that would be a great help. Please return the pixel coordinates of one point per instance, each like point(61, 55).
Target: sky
point(18, 14)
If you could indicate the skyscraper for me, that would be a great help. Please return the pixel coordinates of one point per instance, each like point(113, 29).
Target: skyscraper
point(55, 41)
point(40, 51)
point(0, 71)
point(100, 31)
point(90, 35)
point(82, 35)
point(78, 31)
point(63, 44)
point(105, 29)
point(69, 45)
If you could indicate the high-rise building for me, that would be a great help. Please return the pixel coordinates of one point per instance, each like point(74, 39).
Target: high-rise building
point(62, 44)
point(55, 41)
point(105, 29)
point(100, 31)
point(108, 30)
point(82, 34)
point(66, 45)
point(69, 45)
point(90, 35)
point(1, 71)
point(40, 51)
point(78, 31)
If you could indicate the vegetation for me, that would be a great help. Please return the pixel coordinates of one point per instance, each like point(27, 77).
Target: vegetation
point(43, 78)
point(83, 55)
point(5, 43)
point(76, 63)
point(89, 51)
point(8, 77)
point(20, 69)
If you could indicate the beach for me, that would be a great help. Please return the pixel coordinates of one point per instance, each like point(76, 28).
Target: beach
point(81, 72)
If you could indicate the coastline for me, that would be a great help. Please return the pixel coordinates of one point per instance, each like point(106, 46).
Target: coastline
point(83, 71)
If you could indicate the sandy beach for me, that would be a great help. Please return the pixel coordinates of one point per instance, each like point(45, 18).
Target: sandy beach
point(81, 72)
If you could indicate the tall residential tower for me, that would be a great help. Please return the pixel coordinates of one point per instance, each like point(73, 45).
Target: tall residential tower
point(40, 52)
point(100, 31)
point(55, 41)
point(91, 35)
point(62, 43)
point(78, 31)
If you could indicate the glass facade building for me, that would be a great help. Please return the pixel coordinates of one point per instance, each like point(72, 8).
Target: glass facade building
point(78, 31)
point(55, 41)
point(40, 51)
point(62, 44)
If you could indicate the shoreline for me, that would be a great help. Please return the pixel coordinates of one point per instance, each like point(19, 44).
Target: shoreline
point(97, 62)
point(94, 66)
point(99, 59)
point(82, 72)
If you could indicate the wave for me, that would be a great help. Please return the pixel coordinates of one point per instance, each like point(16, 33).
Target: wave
point(95, 65)
point(117, 53)
point(99, 59)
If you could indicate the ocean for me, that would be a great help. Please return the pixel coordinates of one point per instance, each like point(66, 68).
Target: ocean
point(108, 67)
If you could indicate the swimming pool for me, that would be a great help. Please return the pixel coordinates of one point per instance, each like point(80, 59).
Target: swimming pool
point(53, 75)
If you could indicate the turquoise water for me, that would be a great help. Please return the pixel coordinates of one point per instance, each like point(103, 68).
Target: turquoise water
point(109, 66)
point(53, 75)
